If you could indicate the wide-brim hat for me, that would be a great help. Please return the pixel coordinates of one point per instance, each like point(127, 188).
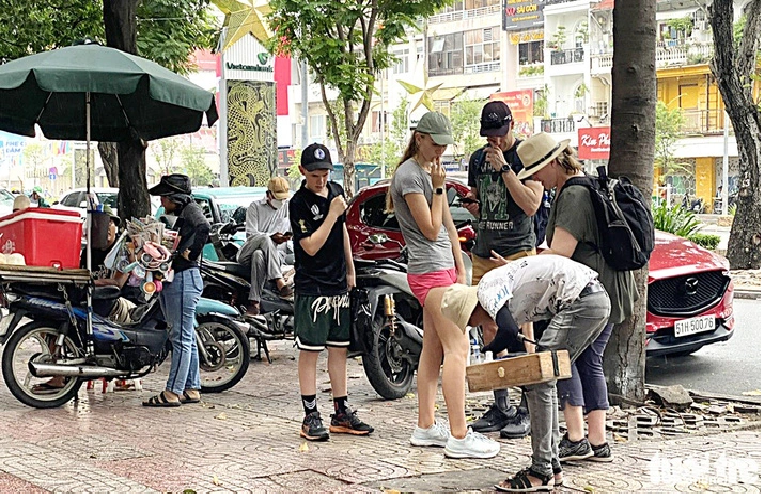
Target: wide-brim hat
point(175, 183)
point(538, 151)
point(458, 303)
point(110, 212)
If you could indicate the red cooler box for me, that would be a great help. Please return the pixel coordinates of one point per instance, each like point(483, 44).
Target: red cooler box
point(45, 236)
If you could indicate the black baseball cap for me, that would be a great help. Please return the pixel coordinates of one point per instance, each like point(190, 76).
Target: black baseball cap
point(316, 157)
point(495, 119)
point(171, 184)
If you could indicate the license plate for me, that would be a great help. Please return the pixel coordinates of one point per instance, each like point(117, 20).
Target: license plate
point(694, 325)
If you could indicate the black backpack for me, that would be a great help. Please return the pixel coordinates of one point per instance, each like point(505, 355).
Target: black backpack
point(625, 223)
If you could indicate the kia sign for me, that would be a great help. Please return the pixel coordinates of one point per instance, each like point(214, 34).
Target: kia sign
point(594, 143)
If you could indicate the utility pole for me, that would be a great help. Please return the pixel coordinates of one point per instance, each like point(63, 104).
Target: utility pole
point(304, 105)
point(725, 169)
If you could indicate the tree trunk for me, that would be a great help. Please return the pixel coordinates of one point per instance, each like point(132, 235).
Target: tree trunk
point(632, 153)
point(350, 178)
point(120, 18)
point(133, 193)
point(733, 69)
point(110, 157)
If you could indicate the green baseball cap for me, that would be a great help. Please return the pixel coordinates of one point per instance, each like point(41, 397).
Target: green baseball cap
point(438, 126)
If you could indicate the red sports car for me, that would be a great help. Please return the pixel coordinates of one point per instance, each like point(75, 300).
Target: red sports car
point(689, 289)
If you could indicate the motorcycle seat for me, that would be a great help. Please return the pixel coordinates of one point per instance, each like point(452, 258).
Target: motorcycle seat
point(230, 267)
point(363, 263)
point(106, 293)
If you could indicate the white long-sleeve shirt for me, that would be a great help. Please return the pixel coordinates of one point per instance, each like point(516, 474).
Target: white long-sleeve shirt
point(535, 287)
point(263, 218)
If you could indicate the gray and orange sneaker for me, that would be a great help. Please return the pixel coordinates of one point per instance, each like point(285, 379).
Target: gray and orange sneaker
point(347, 422)
point(312, 428)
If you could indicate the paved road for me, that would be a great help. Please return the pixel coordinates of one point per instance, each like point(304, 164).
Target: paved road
point(729, 367)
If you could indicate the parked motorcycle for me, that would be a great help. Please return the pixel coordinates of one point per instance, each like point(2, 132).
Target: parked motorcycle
point(387, 319)
point(55, 342)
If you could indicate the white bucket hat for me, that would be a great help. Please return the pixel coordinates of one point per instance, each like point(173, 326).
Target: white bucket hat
point(538, 151)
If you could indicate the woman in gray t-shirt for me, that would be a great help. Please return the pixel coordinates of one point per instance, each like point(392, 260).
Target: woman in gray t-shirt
point(417, 196)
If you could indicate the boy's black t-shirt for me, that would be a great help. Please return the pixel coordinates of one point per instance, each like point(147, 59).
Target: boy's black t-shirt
point(325, 272)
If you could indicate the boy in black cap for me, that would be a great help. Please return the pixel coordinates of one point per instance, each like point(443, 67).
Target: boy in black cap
point(323, 280)
point(180, 297)
point(504, 209)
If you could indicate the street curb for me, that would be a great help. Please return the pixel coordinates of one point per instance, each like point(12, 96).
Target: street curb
point(748, 294)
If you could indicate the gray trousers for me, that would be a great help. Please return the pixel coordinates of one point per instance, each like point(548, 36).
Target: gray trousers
point(262, 254)
point(574, 328)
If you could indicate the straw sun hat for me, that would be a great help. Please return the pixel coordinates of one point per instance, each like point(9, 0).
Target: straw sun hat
point(538, 151)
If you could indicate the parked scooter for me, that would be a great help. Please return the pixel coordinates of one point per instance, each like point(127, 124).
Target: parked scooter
point(55, 342)
point(387, 319)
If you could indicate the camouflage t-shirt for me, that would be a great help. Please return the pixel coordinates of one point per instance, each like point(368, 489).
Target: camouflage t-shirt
point(502, 225)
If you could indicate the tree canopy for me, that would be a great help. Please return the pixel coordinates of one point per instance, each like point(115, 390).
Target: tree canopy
point(346, 44)
point(168, 30)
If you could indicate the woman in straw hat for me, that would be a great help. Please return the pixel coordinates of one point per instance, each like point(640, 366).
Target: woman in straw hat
point(572, 232)
point(417, 195)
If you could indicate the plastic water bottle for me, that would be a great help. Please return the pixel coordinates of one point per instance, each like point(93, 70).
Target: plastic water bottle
point(488, 356)
point(475, 352)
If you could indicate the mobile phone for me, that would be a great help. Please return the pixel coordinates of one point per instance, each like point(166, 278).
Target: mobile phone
point(469, 200)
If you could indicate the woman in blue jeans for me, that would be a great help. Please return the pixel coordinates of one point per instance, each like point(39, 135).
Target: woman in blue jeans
point(572, 232)
point(180, 297)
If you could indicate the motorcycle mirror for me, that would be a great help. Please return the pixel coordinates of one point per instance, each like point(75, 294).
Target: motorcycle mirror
point(378, 238)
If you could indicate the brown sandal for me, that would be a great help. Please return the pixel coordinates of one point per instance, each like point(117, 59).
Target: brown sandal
point(186, 398)
point(160, 400)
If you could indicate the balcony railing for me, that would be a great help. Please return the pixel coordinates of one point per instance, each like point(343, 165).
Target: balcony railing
point(557, 125)
point(459, 15)
point(560, 57)
point(665, 57)
point(482, 67)
point(702, 122)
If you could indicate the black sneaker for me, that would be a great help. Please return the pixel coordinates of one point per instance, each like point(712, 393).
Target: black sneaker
point(347, 422)
point(574, 450)
point(493, 419)
point(518, 426)
point(312, 428)
point(601, 453)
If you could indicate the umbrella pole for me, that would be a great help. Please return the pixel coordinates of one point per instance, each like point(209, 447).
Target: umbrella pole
point(90, 206)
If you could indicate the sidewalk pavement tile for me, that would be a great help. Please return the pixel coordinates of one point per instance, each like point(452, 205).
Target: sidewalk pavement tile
point(246, 439)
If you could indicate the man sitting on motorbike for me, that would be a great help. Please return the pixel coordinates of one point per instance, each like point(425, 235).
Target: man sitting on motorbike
point(267, 232)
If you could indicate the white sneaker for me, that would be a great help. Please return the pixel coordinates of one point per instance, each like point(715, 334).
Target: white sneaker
point(473, 445)
point(435, 435)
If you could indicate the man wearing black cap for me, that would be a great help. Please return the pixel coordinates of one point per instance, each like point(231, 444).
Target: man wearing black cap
point(323, 280)
point(180, 296)
point(505, 227)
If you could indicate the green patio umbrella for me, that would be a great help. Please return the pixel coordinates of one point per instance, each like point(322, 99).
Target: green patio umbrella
point(92, 92)
point(129, 96)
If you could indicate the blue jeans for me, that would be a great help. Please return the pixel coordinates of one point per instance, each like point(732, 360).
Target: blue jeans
point(178, 301)
point(574, 328)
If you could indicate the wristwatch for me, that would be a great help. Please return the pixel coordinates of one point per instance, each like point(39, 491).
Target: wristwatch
point(505, 168)
point(439, 191)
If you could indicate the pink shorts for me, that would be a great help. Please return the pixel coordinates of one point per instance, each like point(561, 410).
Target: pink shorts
point(422, 283)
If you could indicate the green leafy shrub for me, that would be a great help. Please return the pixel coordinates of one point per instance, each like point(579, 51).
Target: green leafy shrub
point(675, 220)
point(710, 242)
